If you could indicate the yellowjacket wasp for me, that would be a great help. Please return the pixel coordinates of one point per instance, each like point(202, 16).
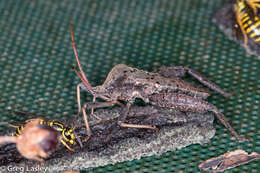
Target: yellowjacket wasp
point(68, 135)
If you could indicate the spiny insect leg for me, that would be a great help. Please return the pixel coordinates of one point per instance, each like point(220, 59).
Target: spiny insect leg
point(123, 116)
point(181, 71)
point(176, 71)
point(225, 122)
point(202, 79)
point(188, 103)
point(99, 104)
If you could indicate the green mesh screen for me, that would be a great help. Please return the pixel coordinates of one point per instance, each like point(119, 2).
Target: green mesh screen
point(36, 54)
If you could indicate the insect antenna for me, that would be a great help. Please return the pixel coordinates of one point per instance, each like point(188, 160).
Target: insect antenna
point(81, 74)
point(78, 74)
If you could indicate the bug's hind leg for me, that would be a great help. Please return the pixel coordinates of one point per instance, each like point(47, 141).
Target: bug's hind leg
point(181, 71)
point(123, 116)
point(224, 121)
point(187, 103)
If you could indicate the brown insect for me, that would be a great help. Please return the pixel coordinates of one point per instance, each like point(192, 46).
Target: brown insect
point(162, 88)
point(36, 141)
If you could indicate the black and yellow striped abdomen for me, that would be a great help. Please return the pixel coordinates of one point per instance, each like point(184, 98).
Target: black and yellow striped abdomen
point(247, 20)
point(251, 26)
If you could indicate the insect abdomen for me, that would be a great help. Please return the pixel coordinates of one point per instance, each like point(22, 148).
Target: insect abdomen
point(250, 22)
point(252, 27)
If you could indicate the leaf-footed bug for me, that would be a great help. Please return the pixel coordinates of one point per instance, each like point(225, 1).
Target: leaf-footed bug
point(162, 88)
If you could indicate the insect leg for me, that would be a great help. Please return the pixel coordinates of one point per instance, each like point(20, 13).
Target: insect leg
point(188, 103)
point(180, 71)
point(99, 104)
point(80, 86)
point(92, 109)
point(66, 145)
point(123, 116)
point(90, 106)
point(86, 123)
point(169, 72)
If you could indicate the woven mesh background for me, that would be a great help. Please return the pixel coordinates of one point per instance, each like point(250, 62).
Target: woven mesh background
point(36, 54)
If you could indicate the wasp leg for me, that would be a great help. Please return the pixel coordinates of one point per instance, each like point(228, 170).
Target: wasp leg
point(66, 145)
point(181, 71)
point(188, 103)
point(123, 116)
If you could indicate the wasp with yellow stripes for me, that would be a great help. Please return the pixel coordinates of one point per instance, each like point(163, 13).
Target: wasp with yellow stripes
point(68, 135)
point(247, 21)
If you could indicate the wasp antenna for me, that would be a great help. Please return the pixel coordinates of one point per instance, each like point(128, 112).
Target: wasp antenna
point(81, 74)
